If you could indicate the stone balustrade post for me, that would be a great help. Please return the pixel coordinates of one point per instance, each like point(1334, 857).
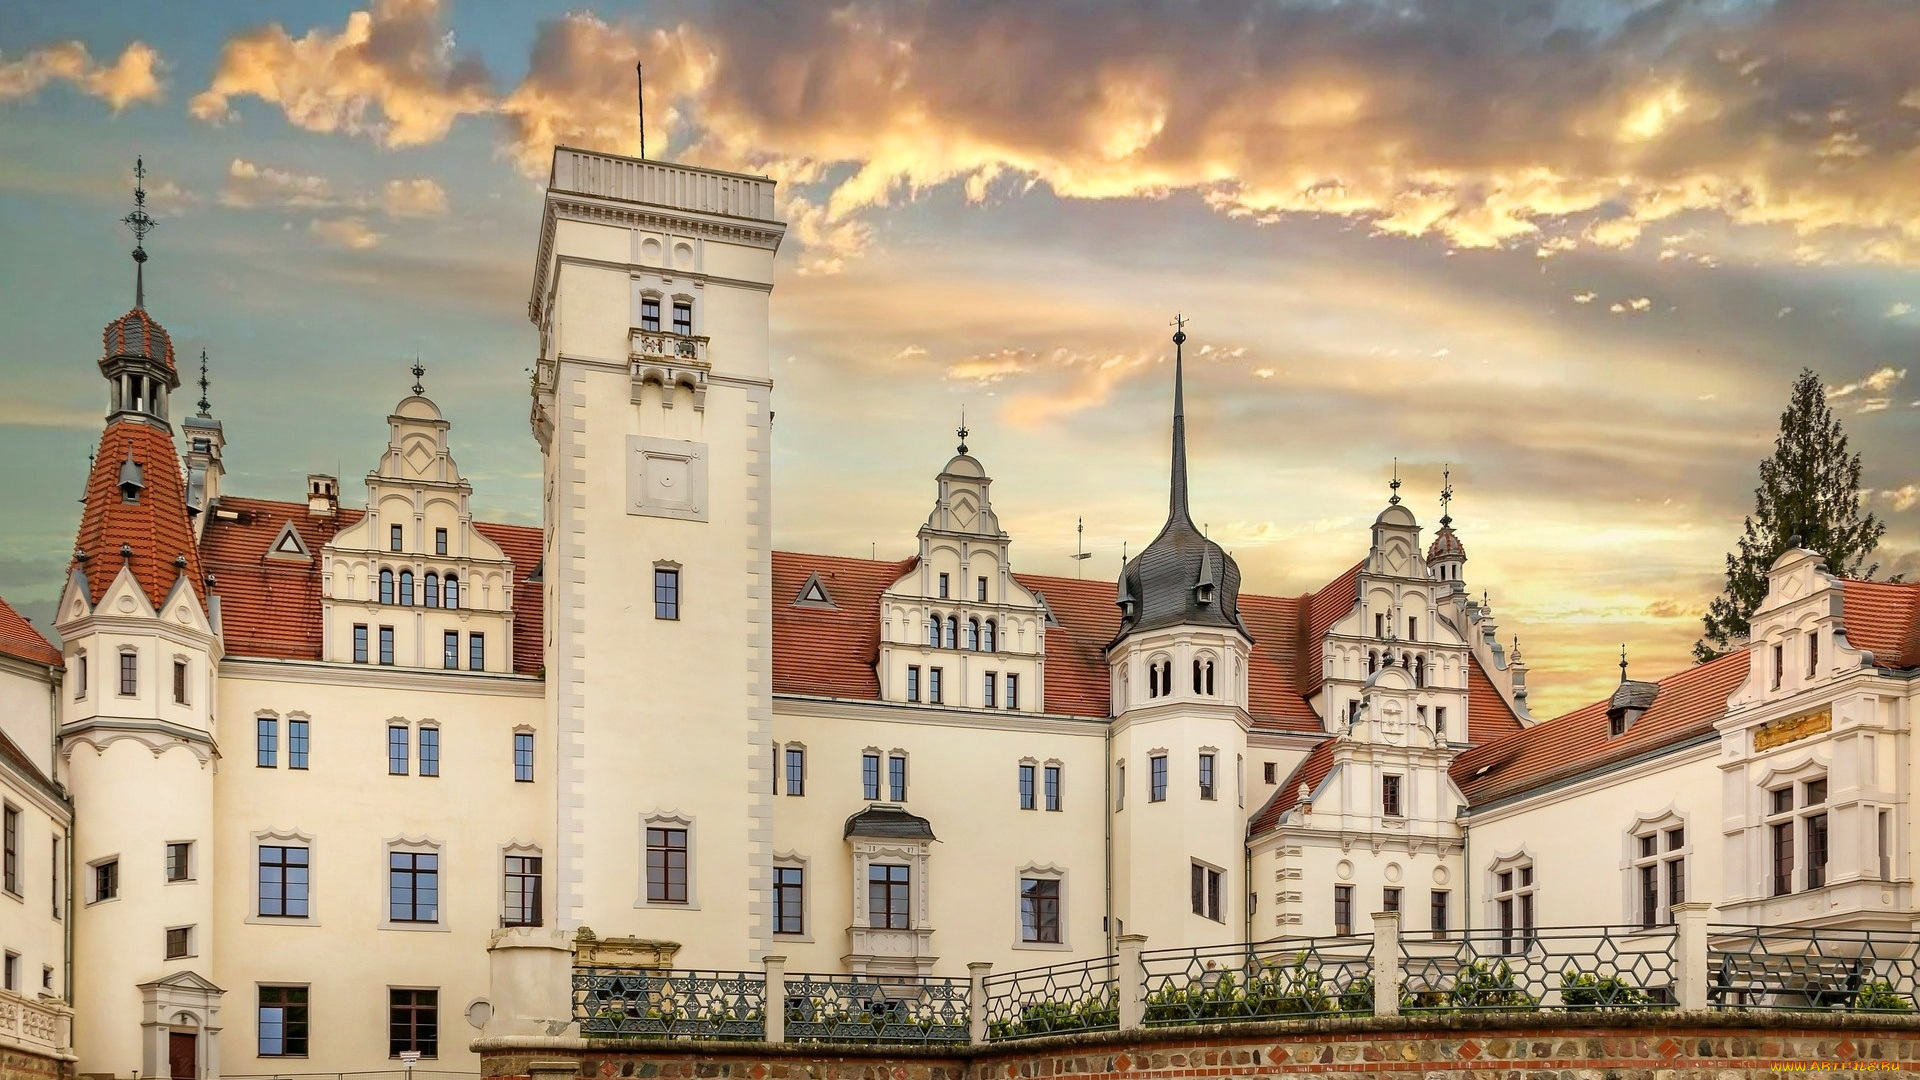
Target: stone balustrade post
point(530, 982)
point(1130, 979)
point(776, 998)
point(1690, 964)
point(977, 1002)
point(1386, 963)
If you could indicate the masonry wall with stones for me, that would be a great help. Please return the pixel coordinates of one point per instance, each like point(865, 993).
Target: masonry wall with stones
point(1627, 1047)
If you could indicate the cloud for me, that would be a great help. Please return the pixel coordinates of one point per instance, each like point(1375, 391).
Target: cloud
point(249, 185)
point(1876, 385)
point(419, 196)
point(1584, 298)
point(1900, 310)
point(390, 73)
point(133, 78)
point(1635, 306)
point(350, 233)
point(1903, 497)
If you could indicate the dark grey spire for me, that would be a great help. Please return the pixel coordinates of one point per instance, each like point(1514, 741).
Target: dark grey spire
point(1177, 497)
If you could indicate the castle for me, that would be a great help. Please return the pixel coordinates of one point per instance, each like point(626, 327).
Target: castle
point(293, 764)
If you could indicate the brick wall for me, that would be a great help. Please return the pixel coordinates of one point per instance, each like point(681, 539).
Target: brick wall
point(25, 1065)
point(1672, 1047)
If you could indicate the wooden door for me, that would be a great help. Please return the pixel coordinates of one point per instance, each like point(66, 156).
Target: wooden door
point(183, 1055)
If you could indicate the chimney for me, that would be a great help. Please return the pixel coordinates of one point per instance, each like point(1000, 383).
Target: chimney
point(323, 495)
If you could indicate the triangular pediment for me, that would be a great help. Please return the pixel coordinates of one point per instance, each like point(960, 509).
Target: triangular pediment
point(125, 596)
point(183, 980)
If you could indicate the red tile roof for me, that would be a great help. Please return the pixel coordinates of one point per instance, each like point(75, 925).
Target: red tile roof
point(822, 651)
point(1884, 618)
point(1324, 608)
point(154, 527)
point(1687, 705)
point(19, 639)
point(1489, 717)
point(137, 334)
point(271, 607)
point(1312, 769)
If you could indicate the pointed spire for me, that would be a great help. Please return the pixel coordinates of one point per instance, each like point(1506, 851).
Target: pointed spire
point(141, 223)
point(204, 403)
point(1177, 499)
point(1446, 495)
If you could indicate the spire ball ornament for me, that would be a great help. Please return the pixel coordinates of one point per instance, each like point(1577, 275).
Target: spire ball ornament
point(141, 223)
point(418, 369)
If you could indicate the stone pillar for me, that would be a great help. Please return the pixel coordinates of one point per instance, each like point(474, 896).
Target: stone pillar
point(1386, 963)
point(977, 1002)
point(530, 982)
point(776, 998)
point(1130, 979)
point(1690, 964)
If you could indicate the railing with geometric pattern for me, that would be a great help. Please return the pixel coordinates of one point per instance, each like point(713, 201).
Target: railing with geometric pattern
point(1267, 980)
point(876, 1009)
point(1786, 967)
point(1569, 967)
point(670, 1004)
point(1053, 1000)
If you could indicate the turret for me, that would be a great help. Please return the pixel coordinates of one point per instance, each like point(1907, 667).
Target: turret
point(206, 445)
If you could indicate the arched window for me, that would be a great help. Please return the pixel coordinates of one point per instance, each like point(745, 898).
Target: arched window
point(933, 630)
point(1203, 677)
point(386, 585)
point(987, 643)
point(953, 631)
point(973, 634)
point(1166, 676)
point(1373, 661)
point(433, 589)
point(406, 586)
point(1153, 680)
point(452, 597)
point(1419, 671)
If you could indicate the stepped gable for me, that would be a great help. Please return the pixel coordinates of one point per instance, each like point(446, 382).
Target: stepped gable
point(270, 608)
point(1685, 707)
point(153, 528)
point(21, 640)
point(1883, 617)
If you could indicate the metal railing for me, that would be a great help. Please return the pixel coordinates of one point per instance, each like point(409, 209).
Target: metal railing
point(1786, 967)
point(671, 1004)
point(1267, 980)
point(1563, 967)
point(852, 1008)
point(1052, 1000)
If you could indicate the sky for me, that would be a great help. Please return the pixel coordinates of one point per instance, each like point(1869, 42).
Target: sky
point(1574, 250)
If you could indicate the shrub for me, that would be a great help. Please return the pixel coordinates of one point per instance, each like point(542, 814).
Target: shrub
point(1479, 985)
point(1882, 997)
point(1586, 990)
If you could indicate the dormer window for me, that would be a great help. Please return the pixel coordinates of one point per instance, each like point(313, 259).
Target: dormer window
point(131, 480)
point(1203, 592)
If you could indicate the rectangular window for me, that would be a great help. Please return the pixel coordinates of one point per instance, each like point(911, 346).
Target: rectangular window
point(683, 318)
point(1676, 884)
point(1013, 690)
point(179, 942)
point(1390, 796)
point(1882, 836)
point(57, 876)
point(398, 751)
point(1206, 891)
point(266, 742)
point(1813, 655)
point(450, 650)
point(1779, 667)
point(887, 897)
point(896, 778)
point(980, 593)
point(666, 866)
point(476, 652)
point(1379, 625)
point(523, 757)
point(439, 541)
point(359, 643)
point(991, 690)
point(283, 881)
point(386, 645)
point(1437, 912)
point(666, 593)
point(870, 777)
point(1039, 908)
point(129, 674)
point(933, 685)
point(789, 900)
point(413, 886)
point(522, 891)
point(1271, 774)
point(11, 862)
point(429, 751)
point(796, 771)
point(1440, 721)
point(413, 1022)
point(180, 862)
point(944, 580)
point(179, 682)
point(1649, 896)
point(1413, 628)
point(80, 678)
point(1206, 776)
point(297, 744)
point(1816, 851)
point(1782, 858)
point(1120, 786)
point(283, 1021)
point(1343, 910)
point(1052, 777)
point(1816, 793)
point(11, 967)
point(650, 314)
point(393, 538)
point(1390, 900)
point(106, 880)
point(1027, 792)
point(46, 977)
point(913, 682)
point(1157, 778)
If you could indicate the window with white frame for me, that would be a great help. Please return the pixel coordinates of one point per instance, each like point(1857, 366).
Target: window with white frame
point(789, 897)
point(284, 878)
point(1797, 836)
point(1659, 870)
point(413, 885)
point(669, 843)
point(1040, 908)
point(1207, 761)
point(129, 673)
point(897, 777)
point(1050, 775)
point(1206, 887)
point(1157, 778)
point(796, 769)
point(870, 775)
point(522, 884)
point(1029, 791)
point(1513, 903)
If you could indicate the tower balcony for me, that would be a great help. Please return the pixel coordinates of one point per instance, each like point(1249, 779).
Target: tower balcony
point(659, 347)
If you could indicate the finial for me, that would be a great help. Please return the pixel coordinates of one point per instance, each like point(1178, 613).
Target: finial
point(1179, 329)
point(1623, 663)
point(141, 223)
point(1395, 484)
point(418, 370)
point(1177, 493)
point(962, 429)
point(204, 404)
point(1446, 495)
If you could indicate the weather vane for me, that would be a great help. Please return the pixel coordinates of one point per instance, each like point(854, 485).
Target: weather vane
point(1179, 329)
point(1623, 663)
point(204, 403)
point(1395, 484)
point(1446, 495)
point(962, 429)
point(418, 370)
point(141, 223)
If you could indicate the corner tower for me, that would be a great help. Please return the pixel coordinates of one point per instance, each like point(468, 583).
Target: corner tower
point(652, 405)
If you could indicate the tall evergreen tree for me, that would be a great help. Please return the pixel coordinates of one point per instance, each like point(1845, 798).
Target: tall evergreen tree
point(1810, 489)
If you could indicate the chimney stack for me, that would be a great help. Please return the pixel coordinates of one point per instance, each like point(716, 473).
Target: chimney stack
point(323, 495)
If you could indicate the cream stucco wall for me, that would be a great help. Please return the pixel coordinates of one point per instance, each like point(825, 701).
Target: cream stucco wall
point(33, 913)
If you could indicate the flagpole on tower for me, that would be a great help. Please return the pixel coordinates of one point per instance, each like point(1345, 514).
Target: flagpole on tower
point(640, 82)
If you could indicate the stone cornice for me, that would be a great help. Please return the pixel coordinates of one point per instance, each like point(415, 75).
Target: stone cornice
point(382, 677)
